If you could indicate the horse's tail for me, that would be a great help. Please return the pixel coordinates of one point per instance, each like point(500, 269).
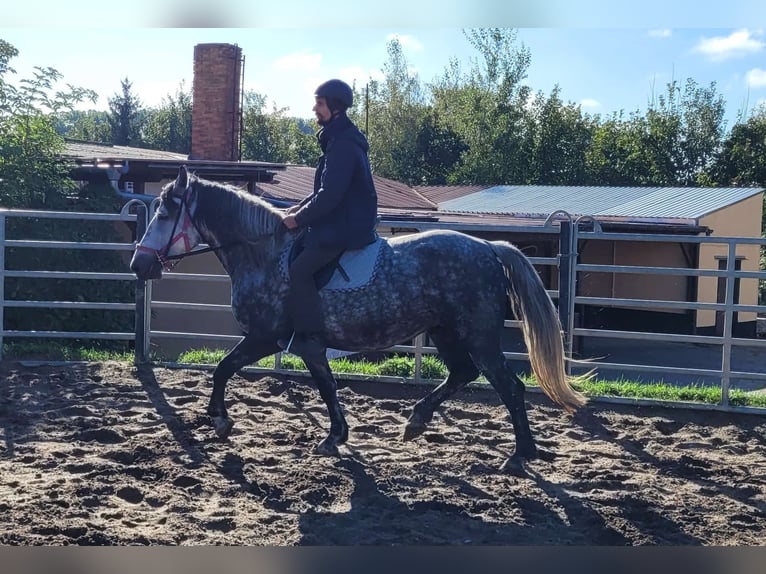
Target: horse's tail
point(540, 326)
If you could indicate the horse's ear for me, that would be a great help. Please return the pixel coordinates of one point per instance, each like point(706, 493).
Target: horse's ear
point(182, 180)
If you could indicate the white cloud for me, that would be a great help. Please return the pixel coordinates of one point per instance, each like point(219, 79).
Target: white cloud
point(406, 41)
point(756, 78)
point(590, 103)
point(304, 61)
point(661, 33)
point(738, 43)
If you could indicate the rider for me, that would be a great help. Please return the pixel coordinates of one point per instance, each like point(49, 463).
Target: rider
point(340, 214)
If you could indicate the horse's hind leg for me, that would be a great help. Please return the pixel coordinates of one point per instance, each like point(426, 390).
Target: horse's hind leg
point(246, 352)
point(511, 390)
point(461, 372)
point(328, 390)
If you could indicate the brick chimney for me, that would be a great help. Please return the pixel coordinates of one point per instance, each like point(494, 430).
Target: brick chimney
point(216, 102)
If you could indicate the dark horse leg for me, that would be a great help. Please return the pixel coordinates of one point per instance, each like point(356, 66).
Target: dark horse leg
point(328, 390)
point(461, 372)
point(248, 351)
point(511, 390)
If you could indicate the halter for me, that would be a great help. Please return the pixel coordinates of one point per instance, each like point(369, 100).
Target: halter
point(168, 262)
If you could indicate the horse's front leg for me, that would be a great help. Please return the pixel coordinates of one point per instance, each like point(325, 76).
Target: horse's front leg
point(248, 351)
point(328, 390)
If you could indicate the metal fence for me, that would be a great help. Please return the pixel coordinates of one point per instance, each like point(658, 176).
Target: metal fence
point(570, 234)
point(140, 219)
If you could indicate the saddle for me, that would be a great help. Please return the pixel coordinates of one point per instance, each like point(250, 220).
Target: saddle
point(323, 276)
point(353, 269)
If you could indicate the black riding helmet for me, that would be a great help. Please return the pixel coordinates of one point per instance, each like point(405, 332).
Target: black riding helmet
point(337, 93)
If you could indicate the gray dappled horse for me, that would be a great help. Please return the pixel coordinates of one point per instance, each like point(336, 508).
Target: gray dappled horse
point(452, 286)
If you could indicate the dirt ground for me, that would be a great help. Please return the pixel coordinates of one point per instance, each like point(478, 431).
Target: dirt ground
point(108, 454)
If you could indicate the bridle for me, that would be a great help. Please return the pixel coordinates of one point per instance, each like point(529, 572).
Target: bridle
point(168, 262)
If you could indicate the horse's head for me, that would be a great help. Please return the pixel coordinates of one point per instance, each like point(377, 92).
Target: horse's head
point(171, 232)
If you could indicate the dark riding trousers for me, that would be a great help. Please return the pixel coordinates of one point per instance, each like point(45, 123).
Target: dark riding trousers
point(304, 304)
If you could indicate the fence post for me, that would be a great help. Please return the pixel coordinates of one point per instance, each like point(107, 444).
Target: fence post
point(143, 290)
point(2, 283)
point(728, 320)
point(566, 287)
point(419, 344)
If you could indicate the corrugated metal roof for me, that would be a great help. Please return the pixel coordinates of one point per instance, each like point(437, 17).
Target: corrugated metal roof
point(653, 203)
point(441, 193)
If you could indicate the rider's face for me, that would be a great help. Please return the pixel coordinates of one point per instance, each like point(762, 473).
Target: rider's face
point(321, 110)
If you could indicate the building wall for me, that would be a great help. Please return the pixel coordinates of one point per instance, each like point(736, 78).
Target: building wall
point(216, 102)
point(633, 286)
point(742, 219)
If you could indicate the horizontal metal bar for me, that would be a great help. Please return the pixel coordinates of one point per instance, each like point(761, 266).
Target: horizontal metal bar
point(657, 304)
point(31, 213)
point(667, 238)
point(653, 368)
point(70, 275)
point(196, 277)
point(636, 270)
point(669, 337)
point(178, 335)
point(544, 260)
point(70, 305)
point(637, 335)
point(69, 335)
point(70, 245)
point(190, 306)
point(748, 375)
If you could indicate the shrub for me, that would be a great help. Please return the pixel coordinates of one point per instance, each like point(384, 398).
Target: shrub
point(397, 367)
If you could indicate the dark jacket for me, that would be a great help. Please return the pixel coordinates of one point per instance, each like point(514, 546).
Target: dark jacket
point(342, 211)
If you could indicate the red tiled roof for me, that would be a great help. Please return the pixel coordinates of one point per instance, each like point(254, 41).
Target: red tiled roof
point(297, 181)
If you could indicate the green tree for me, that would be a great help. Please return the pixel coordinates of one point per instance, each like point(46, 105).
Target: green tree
point(89, 125)
point(682, 132)
point(168, 127)
point(486, 108)
point(561, 137)
point(31, 172)
point(126, 116)
point(438, 149)
point(614, 156)
point(274, 137)
point(742, 159)
point(395, 107)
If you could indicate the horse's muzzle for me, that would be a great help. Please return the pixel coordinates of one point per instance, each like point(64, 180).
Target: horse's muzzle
point(146, 265)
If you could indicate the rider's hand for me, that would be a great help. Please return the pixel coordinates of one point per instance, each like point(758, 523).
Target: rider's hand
point(289, 221)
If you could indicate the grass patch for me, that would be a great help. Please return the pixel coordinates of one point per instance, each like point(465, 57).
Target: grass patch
point(42, 351)
point(395, 366)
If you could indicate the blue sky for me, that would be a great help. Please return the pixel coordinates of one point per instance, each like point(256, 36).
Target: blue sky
point(604, 56)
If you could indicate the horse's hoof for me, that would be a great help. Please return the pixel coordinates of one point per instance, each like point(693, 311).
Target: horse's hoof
point(222, 426)
point(326, 448)
point(515, 467)
point(413, 430)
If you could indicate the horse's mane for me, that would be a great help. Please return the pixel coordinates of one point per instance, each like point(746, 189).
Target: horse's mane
point(234, 209)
